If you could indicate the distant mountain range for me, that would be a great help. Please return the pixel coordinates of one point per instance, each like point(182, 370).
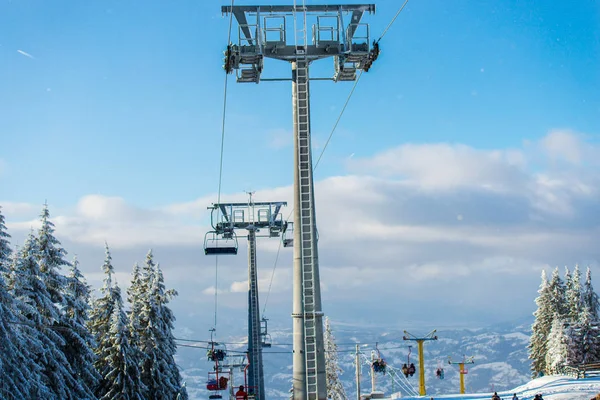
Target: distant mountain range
point(500, 354)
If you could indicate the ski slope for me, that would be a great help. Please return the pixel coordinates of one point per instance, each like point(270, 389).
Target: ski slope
point(557, 387)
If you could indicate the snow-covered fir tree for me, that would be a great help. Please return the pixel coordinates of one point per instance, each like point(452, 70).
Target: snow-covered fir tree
point(51, 258)
point(558, 349)
point(99, 321)
point(18, 374)
point(335, 389)
point(160, 373)
point(558, 294)
point(121, 378)
point(135, 297)
point(541, 328)
point(590, 297)
point(585, 346)
point(79, 341)
point(42, 327)
point(573, 294)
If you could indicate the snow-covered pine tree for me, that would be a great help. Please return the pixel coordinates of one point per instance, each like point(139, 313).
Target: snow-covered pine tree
point(557, 353)
point(558, 294)
point(590, 297)
point(541, 328)
point(18, 375)
point(588, 338)
point(573, 294)
point(122, 376)
point(5, 250)
point(79, 341)
point(99, 321)
point(135, 297)
point(41, 326)
point(160, 373)
point(51, 258)
point(335, 389)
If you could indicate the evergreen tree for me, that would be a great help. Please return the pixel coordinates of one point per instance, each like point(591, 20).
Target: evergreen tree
point(99, 321)
point(51, 258)
point(42, 326)
point(121, 378)
point(335, 389)
point(558, 294)
point(589, 338)
point(135, 297)
point(541, 328)
point(590, 298)
point(557, 352)
point(160, 373)
point(18, 375)
point(573, 294)
point(5, 250)
point(79, 341)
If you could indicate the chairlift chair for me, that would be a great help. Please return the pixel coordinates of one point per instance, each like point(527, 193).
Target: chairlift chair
point(216, 243)
point(216, 351)
point(264, 333)
point(287, 236)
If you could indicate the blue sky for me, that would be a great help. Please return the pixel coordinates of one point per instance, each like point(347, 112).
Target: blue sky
point(473, 141)
point(122, 99)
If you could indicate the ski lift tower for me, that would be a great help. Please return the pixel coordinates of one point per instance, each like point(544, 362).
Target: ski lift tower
point(420, 340)
point(462, 370)
point(281, 32)
point(226, 218)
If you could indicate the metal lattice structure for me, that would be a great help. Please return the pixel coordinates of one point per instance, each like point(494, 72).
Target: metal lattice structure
point(336, 31)
point(253, 217)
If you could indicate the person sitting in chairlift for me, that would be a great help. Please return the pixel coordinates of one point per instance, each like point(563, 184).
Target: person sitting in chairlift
point(405, 370)
point(411, 369)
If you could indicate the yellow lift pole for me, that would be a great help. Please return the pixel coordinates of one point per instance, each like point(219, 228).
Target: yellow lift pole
point(420, 340)
point(462, 371)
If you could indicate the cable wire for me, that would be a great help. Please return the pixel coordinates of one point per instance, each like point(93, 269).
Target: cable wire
point(221, 160)
point(392, 21)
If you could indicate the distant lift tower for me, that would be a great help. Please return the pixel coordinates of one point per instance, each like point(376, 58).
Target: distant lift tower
point(336, 31)
point(420, 340)
point(462, 370)
point(226, 218)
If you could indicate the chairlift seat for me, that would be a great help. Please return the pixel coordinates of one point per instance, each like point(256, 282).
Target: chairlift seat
point(220, 250)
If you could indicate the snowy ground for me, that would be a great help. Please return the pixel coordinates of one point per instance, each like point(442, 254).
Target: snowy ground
point(551, 388)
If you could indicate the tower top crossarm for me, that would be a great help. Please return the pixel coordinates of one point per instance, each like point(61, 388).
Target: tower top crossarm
point(291, 8)
point(465, 360)
point(328, 30)
point(430, 336)
point(225, 217)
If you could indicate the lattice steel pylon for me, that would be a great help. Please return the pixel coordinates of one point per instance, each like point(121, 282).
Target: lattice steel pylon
point(252, 217)
point(263, 33)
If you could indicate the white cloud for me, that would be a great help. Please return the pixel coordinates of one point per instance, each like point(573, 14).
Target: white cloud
point(421, 221)
point(445, 166)
point(563, 145)
point(26, 54)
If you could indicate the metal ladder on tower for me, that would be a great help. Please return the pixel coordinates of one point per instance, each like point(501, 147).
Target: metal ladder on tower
point(306, 209)
point(255, 357)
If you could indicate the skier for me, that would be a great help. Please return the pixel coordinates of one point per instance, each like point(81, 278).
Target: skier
point(515, 397)
point(495, 396)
